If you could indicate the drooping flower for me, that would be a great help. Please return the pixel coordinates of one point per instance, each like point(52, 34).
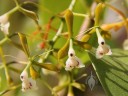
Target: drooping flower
point(73, 61)
point(103, 48)
point(27, 83)
point(4, 23)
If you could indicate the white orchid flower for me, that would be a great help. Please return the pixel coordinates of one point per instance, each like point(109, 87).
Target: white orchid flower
point(4, 23)
point(27, 83)
point(73, 61)
point(103, 49)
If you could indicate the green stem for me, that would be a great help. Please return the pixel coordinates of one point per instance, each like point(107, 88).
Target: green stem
point(28, 65)
point(71, 44)
point(80, 15)
point(72, 4)
point(13, 10)
point(3, 41)
point(58, 32)
point(5, 66)
point(16, 2)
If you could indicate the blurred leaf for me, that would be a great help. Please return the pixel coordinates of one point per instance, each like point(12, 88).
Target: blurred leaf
point(98, 13)
point(24, 43)
point(79, 86)
point(112, 72)
point(48, 66)
point(30, 14)
point(64, 50)
point(69, 21)
point(19, 46)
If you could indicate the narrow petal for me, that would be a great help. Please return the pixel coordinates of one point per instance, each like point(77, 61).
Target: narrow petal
point(24, 76)
point(71, 52)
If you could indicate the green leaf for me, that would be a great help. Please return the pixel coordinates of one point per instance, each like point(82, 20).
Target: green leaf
point(48, 66)
point(30, 14)
point(24, 43)
point(112, 72)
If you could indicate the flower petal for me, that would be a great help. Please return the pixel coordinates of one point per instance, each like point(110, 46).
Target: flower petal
point(71, 52)
point(99, 52)
point(5, 28)
point(69, 65)
point(80, 65)
point(24, 76)
point(3, 19)
point(32, 83)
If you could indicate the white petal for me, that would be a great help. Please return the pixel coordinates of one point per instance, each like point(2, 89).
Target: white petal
point(125, 44)
point(71, 52)
point(100, 38)
point(69, 65)
point(80, 65)
point(5, 28)
point(4, 19)
point(25, 86)
point(24, 76)
point(33, 84)
point(99, 52)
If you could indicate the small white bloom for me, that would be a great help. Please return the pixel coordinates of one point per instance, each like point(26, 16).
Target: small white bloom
point(4, 23)
point(73, 61)
point(27, 83)
point(125, 44)
point(103, 49)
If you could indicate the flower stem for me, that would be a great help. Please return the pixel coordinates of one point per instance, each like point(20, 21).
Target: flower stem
point(3, 40)
point(5, 66)
point(13, 10)
point(80, 15)
point(72, 4)
point(58, 32)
